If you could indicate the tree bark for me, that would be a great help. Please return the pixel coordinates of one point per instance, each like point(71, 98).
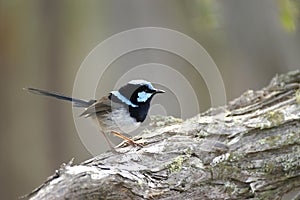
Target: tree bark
point(248, 149)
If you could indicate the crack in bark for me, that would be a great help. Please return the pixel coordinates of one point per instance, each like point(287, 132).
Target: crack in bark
point(248, 149)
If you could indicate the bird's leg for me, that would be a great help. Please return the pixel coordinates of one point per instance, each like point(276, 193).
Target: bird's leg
point(110, 144)
point(133, 143)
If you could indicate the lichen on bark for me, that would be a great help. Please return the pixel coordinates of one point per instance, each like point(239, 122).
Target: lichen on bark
point(248, 149)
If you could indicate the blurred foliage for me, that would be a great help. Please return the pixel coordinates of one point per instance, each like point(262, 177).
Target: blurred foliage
point(44, 42)
point(289, 14)
point(203, 15)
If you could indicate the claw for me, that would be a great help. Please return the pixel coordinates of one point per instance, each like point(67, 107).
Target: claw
point(133, 143)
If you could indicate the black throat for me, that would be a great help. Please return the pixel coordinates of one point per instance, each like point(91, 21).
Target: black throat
point(140, 112)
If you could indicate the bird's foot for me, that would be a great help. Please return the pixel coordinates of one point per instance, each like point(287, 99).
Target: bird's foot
point(128, 140)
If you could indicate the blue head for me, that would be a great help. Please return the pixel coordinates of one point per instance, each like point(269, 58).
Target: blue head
point(137, 95)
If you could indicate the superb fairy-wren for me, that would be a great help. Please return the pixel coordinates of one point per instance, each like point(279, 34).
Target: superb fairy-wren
point(120, 110)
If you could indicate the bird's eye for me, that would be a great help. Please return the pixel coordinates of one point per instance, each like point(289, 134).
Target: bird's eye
point(148, 90)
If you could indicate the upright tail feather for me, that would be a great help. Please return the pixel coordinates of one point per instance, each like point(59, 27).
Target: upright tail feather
point(76, 102)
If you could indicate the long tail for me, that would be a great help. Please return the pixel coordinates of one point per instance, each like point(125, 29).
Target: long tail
point(76, 102)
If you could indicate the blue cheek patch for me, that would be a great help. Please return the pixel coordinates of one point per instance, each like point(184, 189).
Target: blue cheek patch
point(143, 96)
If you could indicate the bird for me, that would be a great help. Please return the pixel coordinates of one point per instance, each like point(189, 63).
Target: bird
point(118, 112)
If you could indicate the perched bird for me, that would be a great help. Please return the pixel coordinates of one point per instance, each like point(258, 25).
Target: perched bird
point(119, 111)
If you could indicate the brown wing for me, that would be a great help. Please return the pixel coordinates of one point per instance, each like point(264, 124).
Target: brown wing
point(101, 106)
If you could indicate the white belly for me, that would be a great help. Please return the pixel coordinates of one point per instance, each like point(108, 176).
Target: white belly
point(118, 120)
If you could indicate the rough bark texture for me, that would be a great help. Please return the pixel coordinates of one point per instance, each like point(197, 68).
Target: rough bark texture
point(249, 149)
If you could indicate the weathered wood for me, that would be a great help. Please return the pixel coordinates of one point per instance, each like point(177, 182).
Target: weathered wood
point(249, 149)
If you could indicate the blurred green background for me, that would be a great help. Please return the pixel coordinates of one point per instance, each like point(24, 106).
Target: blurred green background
point(43, 42)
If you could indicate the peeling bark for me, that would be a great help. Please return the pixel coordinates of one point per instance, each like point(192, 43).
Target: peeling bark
point(248, 149)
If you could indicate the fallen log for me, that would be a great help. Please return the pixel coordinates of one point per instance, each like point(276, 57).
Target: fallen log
point(248, 149)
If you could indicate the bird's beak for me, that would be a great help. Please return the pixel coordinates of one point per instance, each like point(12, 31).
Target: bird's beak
point(159, 91)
